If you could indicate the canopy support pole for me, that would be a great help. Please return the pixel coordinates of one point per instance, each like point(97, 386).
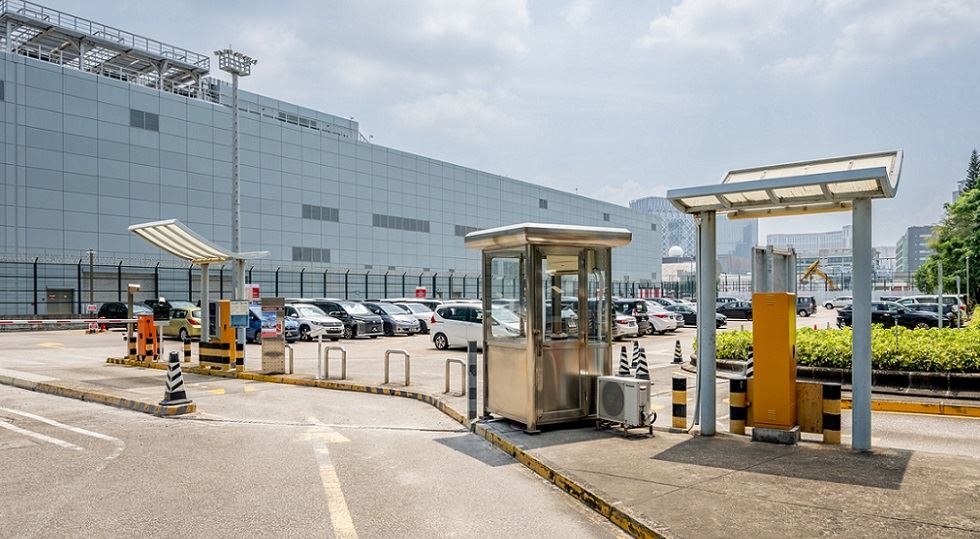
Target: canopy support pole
point(861, 323)
point(205, 304)
point(706, 322)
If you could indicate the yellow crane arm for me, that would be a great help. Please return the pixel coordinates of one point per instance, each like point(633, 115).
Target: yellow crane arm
point(814, 269)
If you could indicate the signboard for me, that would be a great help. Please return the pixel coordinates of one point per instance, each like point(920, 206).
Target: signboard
point(90, 308)
point(420, 291)
point(239, 313)
point(252, 293)
point(273, 339)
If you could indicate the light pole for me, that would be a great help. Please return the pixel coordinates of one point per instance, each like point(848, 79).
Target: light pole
point(91, 277)
point(238, 65)
point(968, 281)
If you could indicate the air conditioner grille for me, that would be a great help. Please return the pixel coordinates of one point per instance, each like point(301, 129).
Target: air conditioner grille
point(613, 399)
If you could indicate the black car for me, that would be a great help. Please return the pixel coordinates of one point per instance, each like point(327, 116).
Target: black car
point(949, 310)
point(736, 309)
point(691, 316)
point(637, 308)
point(117, 310)
point(358, 320)
point(890, 314)
point(805, 305)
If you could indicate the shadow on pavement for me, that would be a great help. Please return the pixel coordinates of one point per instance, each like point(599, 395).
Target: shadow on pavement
point(477, 448)
point(882, 468)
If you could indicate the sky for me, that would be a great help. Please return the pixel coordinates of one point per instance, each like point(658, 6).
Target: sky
point(618, 99)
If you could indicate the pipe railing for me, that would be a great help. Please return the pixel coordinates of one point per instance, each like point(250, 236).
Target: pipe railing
point(408, 364)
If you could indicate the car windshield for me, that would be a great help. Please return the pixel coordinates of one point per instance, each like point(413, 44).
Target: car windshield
point(391, 308)
point(354, 308)
point(505, 316)
point(182, 305)
point(310, 311)
point(142, 309)
point(417, 308)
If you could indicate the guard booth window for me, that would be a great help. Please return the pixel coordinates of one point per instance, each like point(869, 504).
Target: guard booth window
point(508, 295)
point(559, 272)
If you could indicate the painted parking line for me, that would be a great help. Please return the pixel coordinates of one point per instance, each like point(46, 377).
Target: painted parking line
point(39, 436)
point(340, 520)
point(118, 444)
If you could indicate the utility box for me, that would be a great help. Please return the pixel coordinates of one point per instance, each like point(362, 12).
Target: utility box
point(774, 347)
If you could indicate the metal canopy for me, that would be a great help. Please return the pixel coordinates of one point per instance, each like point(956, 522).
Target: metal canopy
point(823, 185)
point(175, 238)
point(546, 234)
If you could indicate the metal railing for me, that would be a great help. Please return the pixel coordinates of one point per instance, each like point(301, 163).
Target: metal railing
point(325, 368)
point(462, 376)
point(408, 364)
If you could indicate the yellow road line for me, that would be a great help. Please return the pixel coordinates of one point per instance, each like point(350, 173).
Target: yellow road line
point(340, 519)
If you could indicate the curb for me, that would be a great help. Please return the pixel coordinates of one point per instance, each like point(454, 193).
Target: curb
point(908, 407)
point(586, 496)
point(100, 398)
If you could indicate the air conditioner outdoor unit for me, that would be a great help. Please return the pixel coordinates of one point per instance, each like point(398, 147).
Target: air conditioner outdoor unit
point(624, 400)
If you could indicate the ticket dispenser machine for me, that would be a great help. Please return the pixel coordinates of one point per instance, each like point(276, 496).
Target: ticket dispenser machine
point(546, 319)
point(774, 339)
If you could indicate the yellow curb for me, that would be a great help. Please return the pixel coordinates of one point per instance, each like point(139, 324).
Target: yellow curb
point(912, 407)
point(100, 398)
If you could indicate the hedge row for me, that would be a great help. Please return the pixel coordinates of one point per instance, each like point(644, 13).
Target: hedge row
point(896, 349)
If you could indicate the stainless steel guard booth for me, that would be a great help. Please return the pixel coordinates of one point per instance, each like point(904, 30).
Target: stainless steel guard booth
point(547, 336)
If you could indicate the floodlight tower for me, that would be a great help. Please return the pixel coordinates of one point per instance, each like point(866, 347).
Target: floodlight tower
point(238, 65)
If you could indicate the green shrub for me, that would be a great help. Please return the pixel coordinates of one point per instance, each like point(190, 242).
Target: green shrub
point(929, 350)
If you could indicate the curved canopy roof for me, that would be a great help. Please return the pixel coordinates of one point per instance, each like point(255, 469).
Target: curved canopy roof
point(546, 234)
point(175, 238)
point(823, 185)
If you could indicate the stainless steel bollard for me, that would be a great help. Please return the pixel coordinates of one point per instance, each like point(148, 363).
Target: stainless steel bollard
point(408, 366)
point(462, 376)
point(326, 362)
point(289, 359)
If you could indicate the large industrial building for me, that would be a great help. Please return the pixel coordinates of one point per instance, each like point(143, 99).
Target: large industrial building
point(102, 129)
point(912, 249)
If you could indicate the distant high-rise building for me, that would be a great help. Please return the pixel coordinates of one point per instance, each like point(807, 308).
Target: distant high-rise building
point(912, 249)
point(735, 238)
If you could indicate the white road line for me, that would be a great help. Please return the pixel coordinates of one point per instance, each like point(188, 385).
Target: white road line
point(39, 436)
point(119, 444)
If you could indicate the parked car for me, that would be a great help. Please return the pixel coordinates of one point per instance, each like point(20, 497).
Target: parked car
point(663, 302)
point(358, 320)
point(690, 315)
point(889, 298)
point(421, 313)
point(624, 326)
point(185, 323)
point(431, 303)
point(569, 323)
point(805, 305)
point(395, 320)
point(838, 303)
point(119, 310)
point(736, 309)
point(891, 314)
point(637, 308)
point(454, 324)
point(253, 333)
point(950, 299)
point(949, 311)
point(176, 304)
point(662, 320)
point(725, 299)
point(309, 316)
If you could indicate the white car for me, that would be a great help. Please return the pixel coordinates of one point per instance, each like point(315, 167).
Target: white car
point(948, 299)
point(455, 324)
point(624, 326)
point(310, 317)
point(838, 303)
point(663, 320)
point(421, 313)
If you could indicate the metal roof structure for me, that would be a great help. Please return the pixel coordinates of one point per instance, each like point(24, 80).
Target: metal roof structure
point(547, 234)
point(47, 34)
point(819, 186)
point(175, 238)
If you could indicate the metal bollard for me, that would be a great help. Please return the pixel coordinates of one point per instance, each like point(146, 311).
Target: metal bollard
point(679, 402)
point(408, 366)
point(737, 411)
point(471, 372)
point(831, 413)
point(187, 350)
point(462, 376)
point(289, 359)
point(326, 362)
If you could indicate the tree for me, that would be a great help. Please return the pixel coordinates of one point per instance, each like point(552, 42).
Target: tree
point(956, 237)
point(972, 172)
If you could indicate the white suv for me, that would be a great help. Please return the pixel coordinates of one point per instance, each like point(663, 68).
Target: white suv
point(454, 324)
point(838, 303)
point(310, 317)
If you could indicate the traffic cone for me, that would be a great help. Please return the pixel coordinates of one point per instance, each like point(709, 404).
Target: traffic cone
point(624, 363)
point(678, 355)
point(175, 393)
point(636, 354)
point(642, 372)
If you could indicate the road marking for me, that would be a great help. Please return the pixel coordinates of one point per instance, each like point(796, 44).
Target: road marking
point(119, 444)
point(340, 519)
point(51, 345)
point(30, 377)
point(39, 436)
point(219, 391)
point(249, 388)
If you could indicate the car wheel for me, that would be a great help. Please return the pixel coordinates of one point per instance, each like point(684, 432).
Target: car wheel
point(801, 312)
point(258, 337)
point(748, 316)
point(183, 335)
point(423, 328)
point(441, 342)
point(304, 333)
point(348, 332)
point(921, 325)
point(389, 331)
point(374, 336)
point(828, 306)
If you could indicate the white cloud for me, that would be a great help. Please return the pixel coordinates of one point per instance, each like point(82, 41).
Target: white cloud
point(361, 70)
point(720, 26)
point(466, 113)
point(500, 23)
point(578, 13)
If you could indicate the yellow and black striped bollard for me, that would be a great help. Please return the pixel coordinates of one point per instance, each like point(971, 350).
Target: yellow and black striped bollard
point(737, 412)
point(831, 413)
point(187, 350)
point(132, 348)
point(679, 400)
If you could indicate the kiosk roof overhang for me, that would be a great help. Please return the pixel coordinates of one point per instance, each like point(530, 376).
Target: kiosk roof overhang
point(175, 238)
point(546, 234)
point(823, 185)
